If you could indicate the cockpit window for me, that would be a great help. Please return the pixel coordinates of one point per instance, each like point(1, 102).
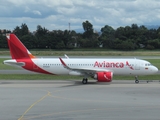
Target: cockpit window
point(148, 64)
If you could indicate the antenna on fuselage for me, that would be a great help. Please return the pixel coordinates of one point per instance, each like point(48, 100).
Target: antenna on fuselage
point(66, 56)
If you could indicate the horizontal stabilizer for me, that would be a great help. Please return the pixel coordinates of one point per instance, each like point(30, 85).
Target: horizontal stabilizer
point(14, 62)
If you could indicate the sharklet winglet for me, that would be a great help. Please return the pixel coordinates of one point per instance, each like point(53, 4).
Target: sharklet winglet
point(64, 64)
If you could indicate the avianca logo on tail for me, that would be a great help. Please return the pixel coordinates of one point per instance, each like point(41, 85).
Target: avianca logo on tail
point(112, 64)
point(127, 64)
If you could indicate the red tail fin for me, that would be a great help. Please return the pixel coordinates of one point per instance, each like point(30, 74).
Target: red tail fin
point(17, 49)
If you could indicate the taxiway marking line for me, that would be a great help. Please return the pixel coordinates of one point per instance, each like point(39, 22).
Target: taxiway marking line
point(48, 94)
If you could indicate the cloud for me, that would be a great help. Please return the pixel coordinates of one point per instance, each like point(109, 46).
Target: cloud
point(36, 12)
point(56, 14)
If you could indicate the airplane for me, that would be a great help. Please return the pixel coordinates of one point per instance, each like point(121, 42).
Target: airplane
point(101, 69)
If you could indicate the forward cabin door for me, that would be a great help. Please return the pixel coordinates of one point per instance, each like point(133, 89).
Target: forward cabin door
point(137, 65)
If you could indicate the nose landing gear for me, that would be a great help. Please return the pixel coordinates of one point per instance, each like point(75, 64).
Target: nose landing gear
point(136, 80)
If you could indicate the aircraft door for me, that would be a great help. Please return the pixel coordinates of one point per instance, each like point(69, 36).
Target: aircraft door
point(137, 65)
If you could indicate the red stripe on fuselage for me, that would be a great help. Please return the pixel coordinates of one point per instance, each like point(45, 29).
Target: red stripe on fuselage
point(30, 65)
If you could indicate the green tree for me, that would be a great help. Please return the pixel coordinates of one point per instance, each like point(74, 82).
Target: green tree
point(155, 43)
point(88, 29)
point(107, 37)
point(20, 31)
point(41, 31)
point(89, 35)
point(3, 41)
point(124, 45)
point(29, 41)
point(120, 33)
point(42, 37)
point(158, 32)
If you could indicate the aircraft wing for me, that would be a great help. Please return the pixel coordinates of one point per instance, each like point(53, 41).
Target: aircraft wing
point(83, 70)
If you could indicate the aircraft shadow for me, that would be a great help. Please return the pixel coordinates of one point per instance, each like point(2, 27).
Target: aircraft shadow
point(79, 83)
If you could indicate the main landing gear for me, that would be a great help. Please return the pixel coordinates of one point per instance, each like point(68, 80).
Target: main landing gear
point(136, 80)
point(85, 81)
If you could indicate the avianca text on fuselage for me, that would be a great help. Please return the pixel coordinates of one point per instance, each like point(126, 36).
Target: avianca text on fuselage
point(105, 64)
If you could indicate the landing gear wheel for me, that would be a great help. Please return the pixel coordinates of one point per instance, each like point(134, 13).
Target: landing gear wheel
point(137, 81)
point(85, 81)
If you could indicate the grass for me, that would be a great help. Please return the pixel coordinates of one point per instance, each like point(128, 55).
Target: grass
point(68, 77)
point(88, 52)
point(144, 77)
point(96, 53)
point(36, 77)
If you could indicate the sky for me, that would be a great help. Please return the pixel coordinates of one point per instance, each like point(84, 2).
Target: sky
point(57, 14)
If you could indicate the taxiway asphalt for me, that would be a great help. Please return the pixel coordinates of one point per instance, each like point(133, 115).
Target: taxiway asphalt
point(71, 100)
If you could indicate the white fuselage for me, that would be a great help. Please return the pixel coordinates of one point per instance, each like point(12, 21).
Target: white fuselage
point(117, 66)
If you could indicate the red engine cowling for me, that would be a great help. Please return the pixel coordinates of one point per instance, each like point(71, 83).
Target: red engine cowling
point(104, 76)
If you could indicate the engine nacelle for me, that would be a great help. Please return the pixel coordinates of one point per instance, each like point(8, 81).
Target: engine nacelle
point(103, 76)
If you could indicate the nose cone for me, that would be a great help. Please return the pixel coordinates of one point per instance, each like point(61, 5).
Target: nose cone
point(155, 69)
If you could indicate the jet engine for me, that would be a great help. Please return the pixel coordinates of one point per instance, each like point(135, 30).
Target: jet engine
point(103, 76)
